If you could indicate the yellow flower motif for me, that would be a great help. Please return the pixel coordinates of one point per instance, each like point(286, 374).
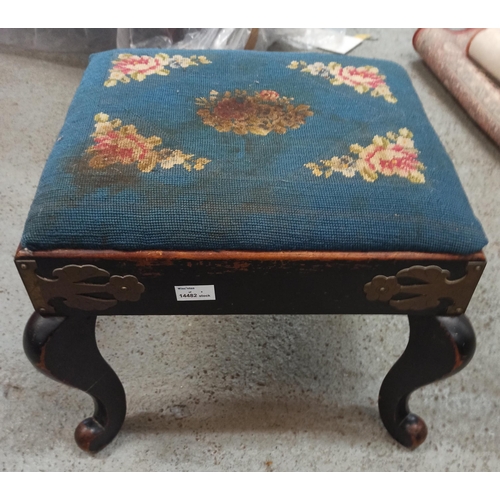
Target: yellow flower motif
point(200, 163)
point(101, 117)
point(137, 67)
point(393, 154)
point(172, 158)
point(363, 79)
point(123, 145)
point(259, 114)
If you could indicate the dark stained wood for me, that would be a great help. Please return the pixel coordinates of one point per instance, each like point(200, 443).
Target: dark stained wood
point(64, 348)
point(438, 347)
point(162, 255)
point(252, 39)
point(63, 345)
point(254, 282)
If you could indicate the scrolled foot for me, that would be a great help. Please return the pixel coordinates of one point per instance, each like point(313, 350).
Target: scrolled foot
point(88, 433)
point(411, 431)
point(64, 348)
point(438, 347)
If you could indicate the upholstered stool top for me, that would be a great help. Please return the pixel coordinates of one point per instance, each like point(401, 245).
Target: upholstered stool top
point(209, 150)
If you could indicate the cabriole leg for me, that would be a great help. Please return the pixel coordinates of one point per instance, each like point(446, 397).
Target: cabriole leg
point(65, 349)
point(438, 347)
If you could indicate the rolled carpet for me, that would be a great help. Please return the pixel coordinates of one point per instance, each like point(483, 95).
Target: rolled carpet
point(445, 52)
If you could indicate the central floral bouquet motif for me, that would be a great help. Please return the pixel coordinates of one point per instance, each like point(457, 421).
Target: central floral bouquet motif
point(363, 79)
point(394, 154)
point(123, 145)
point(264, 112)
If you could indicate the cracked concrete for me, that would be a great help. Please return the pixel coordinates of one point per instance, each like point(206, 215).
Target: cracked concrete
point(267, 393)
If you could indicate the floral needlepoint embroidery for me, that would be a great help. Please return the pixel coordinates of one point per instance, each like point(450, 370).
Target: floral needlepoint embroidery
point(391, 155)
point(261, 113)
point(129, 66)
point(363, 79)
point(116, 144)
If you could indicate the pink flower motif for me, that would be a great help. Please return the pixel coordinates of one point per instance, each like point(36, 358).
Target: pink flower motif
point(115, 144)
point(138, 64)
point(365, 76)
point(390, 160)
point(123, 146)
point(393, 154)
point(363, 79)
point(269, 95)
point(129, 67)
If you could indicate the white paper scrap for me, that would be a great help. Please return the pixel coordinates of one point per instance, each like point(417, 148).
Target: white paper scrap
point(339, 45)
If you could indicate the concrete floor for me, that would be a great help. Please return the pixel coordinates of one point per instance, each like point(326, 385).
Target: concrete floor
point(277, 393)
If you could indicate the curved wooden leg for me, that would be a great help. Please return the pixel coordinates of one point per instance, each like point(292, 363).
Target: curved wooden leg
point(65, 349)
point(438, 347)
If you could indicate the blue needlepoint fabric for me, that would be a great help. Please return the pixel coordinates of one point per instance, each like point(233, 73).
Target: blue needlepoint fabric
point(221, 150)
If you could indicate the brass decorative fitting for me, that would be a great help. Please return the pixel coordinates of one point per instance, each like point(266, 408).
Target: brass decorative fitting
point(419, 288)
point(82, 287)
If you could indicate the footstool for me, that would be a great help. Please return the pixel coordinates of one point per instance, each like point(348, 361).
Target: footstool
point(233, 182)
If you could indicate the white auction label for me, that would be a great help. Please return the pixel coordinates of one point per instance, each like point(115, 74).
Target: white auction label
point(195, 292)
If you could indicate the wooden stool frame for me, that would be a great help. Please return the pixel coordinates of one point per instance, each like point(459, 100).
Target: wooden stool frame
point(70, 288)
